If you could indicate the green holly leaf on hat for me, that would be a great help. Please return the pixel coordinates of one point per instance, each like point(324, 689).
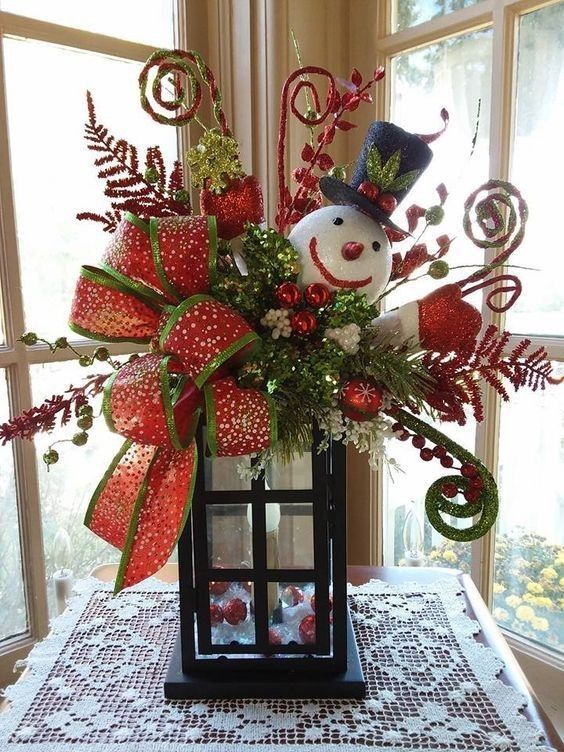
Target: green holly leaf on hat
point(385, 174)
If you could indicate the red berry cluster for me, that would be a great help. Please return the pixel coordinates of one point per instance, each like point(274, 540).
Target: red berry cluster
point(468, 471)
point(387, 202)
point(315, 295)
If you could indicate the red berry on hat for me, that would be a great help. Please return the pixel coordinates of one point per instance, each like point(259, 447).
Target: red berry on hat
point(235, 611)
point(288, 294)
point(307, 630)
point(369, 190)
point(317, 295)
point(387, 202)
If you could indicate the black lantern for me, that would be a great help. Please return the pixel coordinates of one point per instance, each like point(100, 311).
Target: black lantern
point(263, 601)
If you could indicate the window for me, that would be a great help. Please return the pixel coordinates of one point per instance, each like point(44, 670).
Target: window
point(47, 63)
point(505, 59)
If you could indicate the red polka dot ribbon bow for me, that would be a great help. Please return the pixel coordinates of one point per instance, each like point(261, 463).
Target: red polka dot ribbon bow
point(152, 288)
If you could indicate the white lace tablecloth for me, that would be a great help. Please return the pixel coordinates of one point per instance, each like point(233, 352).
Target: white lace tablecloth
point(96, 684)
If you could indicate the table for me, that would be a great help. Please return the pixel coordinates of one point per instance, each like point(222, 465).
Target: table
point(428, 579)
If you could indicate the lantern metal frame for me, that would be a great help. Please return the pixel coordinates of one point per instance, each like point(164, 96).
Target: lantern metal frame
point(329, 667)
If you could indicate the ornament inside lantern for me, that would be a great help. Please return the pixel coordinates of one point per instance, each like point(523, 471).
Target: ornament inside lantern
point(263, 602)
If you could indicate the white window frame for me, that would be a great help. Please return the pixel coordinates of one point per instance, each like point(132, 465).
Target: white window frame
point(16, 358)
point(502, 16)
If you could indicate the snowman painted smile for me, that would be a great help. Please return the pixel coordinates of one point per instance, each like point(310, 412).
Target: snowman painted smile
point(349, 284)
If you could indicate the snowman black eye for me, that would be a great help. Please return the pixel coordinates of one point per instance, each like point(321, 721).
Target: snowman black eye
point(338, 221)
point(375, 246)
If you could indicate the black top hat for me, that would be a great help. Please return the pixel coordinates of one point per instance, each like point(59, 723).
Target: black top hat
point(390, 162)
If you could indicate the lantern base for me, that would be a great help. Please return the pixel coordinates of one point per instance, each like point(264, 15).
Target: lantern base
point(291, 685)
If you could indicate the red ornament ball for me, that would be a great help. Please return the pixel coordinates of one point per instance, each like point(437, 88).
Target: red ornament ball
point(317, 295)
point(288, 294)
point(239, 203)
point(312, 603)
point(426, 454)
point(216, 614)
point(274, 636)
point(361, 399)
point(307, 630)
point(418, 442)
point(235, 611)
point(292, 595)
point(447, 461)
point(303, 322)
point(472, 494)
point(219, 588)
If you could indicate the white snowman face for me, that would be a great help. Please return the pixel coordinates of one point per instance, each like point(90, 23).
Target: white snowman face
point(344, 249)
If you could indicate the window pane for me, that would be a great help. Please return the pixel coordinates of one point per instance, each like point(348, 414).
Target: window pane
point(67, 487)
point(13, 613)
point(455, 74)
point(412, 12)
point(537, 169)
point(151, 23)
point(529, 573)
point(404, 499)
point(54, 176)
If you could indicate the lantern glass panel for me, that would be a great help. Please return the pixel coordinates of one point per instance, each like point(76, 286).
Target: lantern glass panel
point(295, 536)
point(222, 474)
point(232, 620)
point(229, 536)
point(293, 475)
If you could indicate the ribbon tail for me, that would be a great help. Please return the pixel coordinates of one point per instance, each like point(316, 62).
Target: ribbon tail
point(141, 506)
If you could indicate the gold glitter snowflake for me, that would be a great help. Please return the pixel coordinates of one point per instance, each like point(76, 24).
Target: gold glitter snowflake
point(214, 161)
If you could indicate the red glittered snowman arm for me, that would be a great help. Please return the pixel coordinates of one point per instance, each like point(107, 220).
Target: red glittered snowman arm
point(441, 322)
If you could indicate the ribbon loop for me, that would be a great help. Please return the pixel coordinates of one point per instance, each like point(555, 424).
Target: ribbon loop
point(138, 403)
point(239, 421)
point(204, 334)
point(105, 309)
point(184, 254)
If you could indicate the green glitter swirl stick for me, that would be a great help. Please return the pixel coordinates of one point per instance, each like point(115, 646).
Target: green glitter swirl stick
point(436, 504)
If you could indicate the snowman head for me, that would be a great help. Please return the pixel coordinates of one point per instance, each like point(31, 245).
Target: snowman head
point(344, 249)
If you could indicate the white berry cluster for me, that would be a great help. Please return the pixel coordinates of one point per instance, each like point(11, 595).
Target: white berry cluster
point(347, 337)
point(279, 321)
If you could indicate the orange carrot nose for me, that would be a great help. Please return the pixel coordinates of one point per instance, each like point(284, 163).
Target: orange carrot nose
point(352, 250)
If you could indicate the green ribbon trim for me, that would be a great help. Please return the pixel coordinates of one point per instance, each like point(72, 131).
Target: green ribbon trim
point(101, 485)
point(139, 289)
point(108, 279)
point(107, 403)
point(133, 524)
point(168, 401)
point(212, 256)
point(223, 356)
point(157, 260)
point(89, 334)
point(211, 423)
point(138, 222)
